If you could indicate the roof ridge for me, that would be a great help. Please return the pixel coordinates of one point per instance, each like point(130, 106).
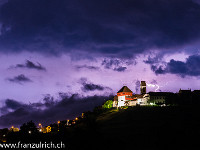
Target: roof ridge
point(124, 89)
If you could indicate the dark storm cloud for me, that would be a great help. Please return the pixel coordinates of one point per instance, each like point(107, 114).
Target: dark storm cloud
point(120, 69)
point(68, 108)
point(12, 105)
point(155, 59)
point(114, 64)
point(19, 79)
point(3, 1)
point(110, 63)
point(92, 87)
point(190, 67)
point(119, 27)
point(48, 100)
point(88, 86)
point(30, 65)
point(87, 67)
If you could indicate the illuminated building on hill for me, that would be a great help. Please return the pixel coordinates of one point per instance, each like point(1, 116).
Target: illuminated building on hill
point(125, 97)
point(13, 129)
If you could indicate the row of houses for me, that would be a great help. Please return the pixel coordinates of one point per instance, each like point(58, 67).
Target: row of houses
point(125, 97)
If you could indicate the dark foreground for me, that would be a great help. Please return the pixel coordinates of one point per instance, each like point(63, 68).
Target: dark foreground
point(146, 128)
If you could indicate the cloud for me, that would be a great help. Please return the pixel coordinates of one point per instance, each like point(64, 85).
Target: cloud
point(88, 86)
point(68, 108)
point(110, 63)
point(188, 68)
point(114, 64)
point(48, 100)
point(19, 79)
point(3, 1)
point(115, 28)
point(92, 87)
point(120, 69)
point(196, 1)
point(30, 65)
point(87, 67)
point(12, 105)
point(157, 58)
point(154, 81)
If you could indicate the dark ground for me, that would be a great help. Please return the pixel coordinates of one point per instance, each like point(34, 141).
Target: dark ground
point(176, 127)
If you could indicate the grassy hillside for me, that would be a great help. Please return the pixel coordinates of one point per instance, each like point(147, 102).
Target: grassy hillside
point(150, 127)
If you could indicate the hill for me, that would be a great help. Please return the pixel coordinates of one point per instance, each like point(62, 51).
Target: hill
point(148, 128)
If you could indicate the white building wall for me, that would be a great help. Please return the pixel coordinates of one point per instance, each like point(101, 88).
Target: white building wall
point(114, 103)
point(132, 103)
point(142, 101)
point(121, 100)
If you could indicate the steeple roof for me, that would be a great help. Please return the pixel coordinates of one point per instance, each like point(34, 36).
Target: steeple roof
point(124, 89)
point(143, 83)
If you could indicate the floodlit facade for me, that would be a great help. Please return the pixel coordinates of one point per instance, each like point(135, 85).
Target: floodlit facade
point(158, 98)
point(125, 97)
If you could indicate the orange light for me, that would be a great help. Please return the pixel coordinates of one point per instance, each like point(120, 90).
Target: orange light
point(58, 122)
point(12, 127)
point(76, 118)
point(39, 124)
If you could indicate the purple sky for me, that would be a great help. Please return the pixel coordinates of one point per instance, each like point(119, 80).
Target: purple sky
point(52, 50)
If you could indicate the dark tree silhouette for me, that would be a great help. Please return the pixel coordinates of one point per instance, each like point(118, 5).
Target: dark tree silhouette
point(29, 128)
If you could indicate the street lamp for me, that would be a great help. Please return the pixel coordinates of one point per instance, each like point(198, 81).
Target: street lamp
point(40, 125)
point(67, 122)
point(58, 125)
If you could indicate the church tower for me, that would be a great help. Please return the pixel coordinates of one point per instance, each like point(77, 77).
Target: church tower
point(143, 87)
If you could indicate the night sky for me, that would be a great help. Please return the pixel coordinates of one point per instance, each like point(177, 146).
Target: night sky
point(59, 58)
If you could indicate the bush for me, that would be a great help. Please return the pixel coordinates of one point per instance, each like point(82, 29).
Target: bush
point(108, 104)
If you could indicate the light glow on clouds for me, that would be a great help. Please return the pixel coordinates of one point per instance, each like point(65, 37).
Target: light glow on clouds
point(176, 56)
point(62, 75)
point(154, 86)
